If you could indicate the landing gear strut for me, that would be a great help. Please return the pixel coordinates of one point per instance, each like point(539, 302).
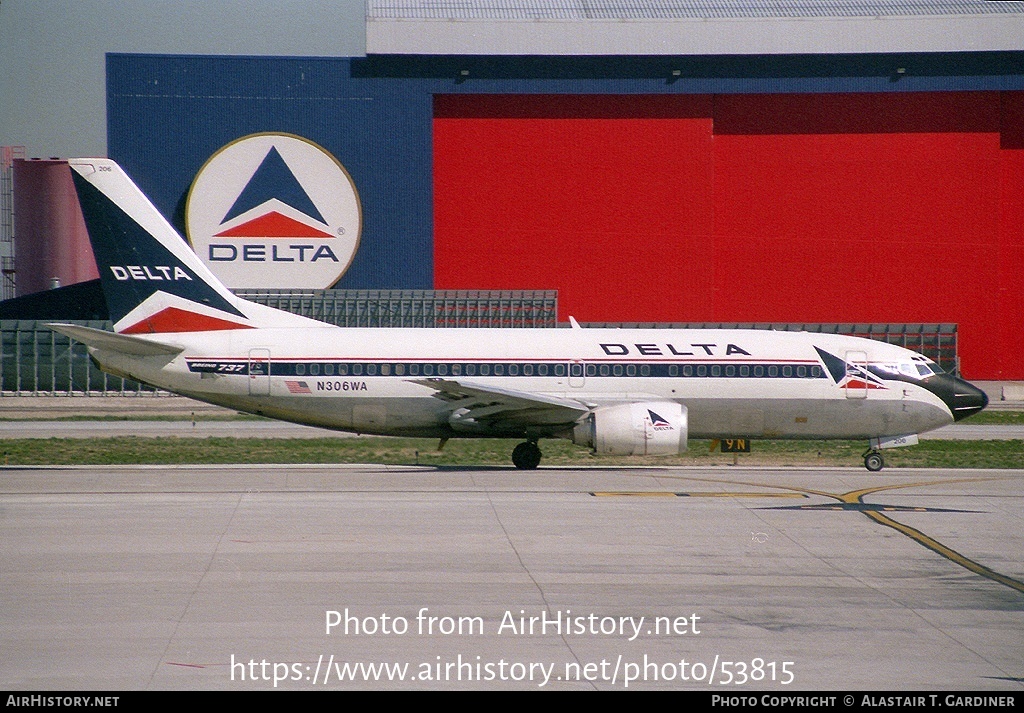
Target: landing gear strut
point(526, 456)
point(873, 461)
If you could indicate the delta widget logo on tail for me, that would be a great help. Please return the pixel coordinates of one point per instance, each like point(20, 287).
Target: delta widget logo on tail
point(274, 210)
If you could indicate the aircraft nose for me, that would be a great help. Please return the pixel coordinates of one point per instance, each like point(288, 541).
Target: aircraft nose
point(968, 399)
point(963, 398)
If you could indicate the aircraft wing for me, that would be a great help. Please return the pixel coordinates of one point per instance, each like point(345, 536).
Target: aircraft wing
point(475, 407)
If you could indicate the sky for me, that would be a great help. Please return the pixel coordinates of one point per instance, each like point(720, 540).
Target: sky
point(52, 54)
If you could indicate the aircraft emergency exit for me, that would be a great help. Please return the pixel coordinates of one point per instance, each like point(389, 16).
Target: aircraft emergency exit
point(616, 391)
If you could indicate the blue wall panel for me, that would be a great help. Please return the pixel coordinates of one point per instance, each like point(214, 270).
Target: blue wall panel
point(168, 115)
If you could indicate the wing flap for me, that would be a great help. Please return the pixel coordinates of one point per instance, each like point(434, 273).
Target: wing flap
point(487, 408)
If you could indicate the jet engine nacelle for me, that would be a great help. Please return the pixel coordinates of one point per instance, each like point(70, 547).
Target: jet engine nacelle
point(653, 428)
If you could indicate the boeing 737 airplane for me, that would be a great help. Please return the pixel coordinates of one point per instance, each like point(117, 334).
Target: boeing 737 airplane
point(616, 391)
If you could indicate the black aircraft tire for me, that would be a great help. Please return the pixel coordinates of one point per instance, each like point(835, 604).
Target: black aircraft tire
point(526, 456)
point(874, 462)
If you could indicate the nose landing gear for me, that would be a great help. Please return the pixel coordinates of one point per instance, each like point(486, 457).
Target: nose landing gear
point(873, 461)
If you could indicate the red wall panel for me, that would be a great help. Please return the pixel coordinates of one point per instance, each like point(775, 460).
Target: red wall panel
point(1007, 344)
point(596, 196)
point(805, 208)
point(870, 208)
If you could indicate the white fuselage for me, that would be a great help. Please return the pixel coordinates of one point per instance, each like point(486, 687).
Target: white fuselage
point(748, 383)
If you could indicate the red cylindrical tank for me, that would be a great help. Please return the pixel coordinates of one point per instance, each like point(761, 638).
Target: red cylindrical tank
point(50, 239)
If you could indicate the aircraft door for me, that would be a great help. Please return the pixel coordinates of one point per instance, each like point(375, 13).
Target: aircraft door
point(259, 372)
point(856, 375)
point(577, 374)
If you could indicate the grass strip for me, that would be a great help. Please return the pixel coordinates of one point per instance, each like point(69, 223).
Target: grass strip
point(131, 450)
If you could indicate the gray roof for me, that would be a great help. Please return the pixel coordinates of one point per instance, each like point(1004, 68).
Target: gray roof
point(641, 27)
point(677, 9)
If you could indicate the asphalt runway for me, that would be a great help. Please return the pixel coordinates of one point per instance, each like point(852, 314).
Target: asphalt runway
point(371, 577)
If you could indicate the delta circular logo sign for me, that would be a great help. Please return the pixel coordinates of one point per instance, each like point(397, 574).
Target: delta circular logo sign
point(274, 211)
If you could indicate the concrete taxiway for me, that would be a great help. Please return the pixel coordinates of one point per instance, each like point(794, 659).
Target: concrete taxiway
point(724, 579)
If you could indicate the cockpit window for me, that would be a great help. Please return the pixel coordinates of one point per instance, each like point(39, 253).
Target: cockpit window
point(908, 370)
point(916, 370)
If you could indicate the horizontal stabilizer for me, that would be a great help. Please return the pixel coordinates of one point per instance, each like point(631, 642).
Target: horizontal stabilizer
point(111, 342)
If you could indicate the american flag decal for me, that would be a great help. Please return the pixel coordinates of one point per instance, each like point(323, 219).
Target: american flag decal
point(297, 387)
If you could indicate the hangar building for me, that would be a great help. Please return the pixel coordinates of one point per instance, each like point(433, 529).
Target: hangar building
point(844, 161)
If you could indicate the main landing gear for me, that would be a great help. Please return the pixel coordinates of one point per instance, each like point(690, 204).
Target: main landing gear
point(873, 461)
point(526, 456)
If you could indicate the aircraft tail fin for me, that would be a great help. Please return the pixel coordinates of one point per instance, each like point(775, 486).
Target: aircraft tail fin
point(152, 280)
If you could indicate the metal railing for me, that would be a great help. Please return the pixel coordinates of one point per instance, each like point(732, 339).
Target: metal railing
point(416, 308)
point(38, 361)
point(8, 154)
